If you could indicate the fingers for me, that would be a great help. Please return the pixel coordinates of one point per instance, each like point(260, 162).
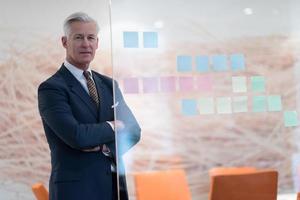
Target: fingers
point(97, 148)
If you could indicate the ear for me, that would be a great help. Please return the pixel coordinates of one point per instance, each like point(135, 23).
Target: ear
point(64, 41)
point(97, 43)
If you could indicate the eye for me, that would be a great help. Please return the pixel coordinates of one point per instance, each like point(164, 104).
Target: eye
point(78, 37)
point(92, 38)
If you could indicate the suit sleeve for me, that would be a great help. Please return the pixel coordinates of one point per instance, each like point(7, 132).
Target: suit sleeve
point(131, 134)
point(57, 114)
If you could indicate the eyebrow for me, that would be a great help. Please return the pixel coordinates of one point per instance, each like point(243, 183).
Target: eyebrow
point(80, 34)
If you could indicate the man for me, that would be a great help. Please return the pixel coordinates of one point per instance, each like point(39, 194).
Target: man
point(77, 109)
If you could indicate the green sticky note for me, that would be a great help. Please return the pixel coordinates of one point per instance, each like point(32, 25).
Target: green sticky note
point(258, 83)
point(240, 104)
point(239, 84)
point(206, 105)
point(274, 103)
point(224, 105)
point(290, 118)
point(259, 104)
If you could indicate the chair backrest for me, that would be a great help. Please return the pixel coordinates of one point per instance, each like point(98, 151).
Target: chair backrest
point(298, 196)
point(258, 185)
point(162, 185)
point(230, 170)
point(40, 192)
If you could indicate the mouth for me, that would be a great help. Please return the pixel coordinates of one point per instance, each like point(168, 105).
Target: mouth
point(85, 52)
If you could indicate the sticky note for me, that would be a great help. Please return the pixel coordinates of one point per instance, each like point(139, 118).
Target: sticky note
point(259, 104)
point(296, 171)
point(219, 62)
point(258, 83)
point(150, 84)
point(224, 105)
point(206, 105)
point(168, 84)
point(202, 63)
point(274, 103)
point(204, 83)
point(237, 62)
point(131, 85)
point(184, 63)
point(290, 118)
point(239, 84)
point(240, 104)
point(186, 84)
point(131, 39)
point(150, 39)
point(189, 107)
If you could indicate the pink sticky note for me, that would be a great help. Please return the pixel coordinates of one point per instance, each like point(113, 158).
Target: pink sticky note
point(204, 83)
point(150, 85)
point(131, 85)
point(186, 84)
point(167, 84)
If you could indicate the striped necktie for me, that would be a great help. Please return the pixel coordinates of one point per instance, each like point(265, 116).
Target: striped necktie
point(91, 87)
point(93, 93)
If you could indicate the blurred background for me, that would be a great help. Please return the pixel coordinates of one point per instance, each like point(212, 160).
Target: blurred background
point(211, 83)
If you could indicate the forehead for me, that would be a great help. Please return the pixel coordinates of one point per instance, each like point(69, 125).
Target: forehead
point(83, 28)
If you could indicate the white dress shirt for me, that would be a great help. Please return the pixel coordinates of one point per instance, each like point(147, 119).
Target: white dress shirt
point(78, 74)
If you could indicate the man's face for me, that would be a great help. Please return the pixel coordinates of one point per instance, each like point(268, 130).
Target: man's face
point(81, 44)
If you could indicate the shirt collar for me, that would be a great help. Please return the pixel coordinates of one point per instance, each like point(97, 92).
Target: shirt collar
point(78, 73)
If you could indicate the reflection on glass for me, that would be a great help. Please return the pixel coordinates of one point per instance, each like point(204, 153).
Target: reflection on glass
point(212, 84)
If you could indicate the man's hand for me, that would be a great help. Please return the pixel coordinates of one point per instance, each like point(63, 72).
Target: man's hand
point(116, 125)
point(97, 148)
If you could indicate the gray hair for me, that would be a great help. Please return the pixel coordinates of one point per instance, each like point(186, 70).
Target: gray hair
point(78, 17)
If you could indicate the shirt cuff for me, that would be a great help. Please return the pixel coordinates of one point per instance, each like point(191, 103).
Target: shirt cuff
point(111, 125)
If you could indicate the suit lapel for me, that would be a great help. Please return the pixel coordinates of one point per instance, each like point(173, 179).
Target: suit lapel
point(78, 90)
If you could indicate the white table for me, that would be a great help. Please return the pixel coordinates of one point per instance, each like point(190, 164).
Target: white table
point(287, 196)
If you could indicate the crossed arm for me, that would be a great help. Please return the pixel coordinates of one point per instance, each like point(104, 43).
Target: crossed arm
point(57, 114)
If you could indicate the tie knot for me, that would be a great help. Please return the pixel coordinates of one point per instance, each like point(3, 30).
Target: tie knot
point(87, 75)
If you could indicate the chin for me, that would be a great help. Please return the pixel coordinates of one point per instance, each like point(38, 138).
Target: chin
point(85, 61)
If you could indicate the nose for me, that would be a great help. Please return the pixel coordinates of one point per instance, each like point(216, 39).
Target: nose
point(85, 42)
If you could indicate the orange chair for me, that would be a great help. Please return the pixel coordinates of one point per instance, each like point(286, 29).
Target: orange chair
point(162, 185)
point(230, 170)
point(298, 196)
point(40, 192)
point(251, 185)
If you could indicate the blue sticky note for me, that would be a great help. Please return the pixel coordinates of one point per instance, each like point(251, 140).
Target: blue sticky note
point(189, 107)
point(259, 104)
point(219, 62)
point(131, 39)
point(291, 118)
point(202, 63)
point(150, 39)
point(237, 62)
point(184, 63)
point(274, 103)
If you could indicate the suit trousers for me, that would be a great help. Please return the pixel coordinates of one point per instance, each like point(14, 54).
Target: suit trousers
point(123, 194)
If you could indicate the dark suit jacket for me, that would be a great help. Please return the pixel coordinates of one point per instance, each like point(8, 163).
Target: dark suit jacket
point(72, 123)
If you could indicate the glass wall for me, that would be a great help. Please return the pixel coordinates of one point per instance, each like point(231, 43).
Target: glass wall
point(211, 84)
